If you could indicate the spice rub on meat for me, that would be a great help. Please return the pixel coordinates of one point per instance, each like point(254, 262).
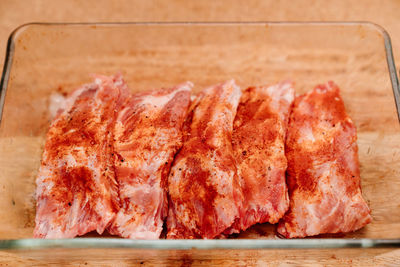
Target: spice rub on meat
point(323, 173)
point(204, 190)
point(147, 134)
point(259, 133)
point(76, 191)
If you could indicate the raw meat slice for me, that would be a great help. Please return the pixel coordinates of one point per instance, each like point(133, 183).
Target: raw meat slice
point(259, 133)
point(204, 190)
point(76, 191)
point(147, 134)
point(323, 169)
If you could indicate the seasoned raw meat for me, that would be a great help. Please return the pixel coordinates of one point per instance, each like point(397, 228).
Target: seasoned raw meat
point(204, 190)
point(323, 169)
point(76, 189)
point(147, 134)
point(259, 133)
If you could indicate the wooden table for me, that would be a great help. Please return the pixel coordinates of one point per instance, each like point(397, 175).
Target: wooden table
point(385, 13)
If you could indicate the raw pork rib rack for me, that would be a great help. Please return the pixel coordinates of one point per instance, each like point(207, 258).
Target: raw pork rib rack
point(259, 147)
point(208, 168)
point(205, 196)
point(323, 169)
point(76, 191)
point(147, 134)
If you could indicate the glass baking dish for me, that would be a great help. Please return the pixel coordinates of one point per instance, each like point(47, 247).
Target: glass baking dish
point(45, 58)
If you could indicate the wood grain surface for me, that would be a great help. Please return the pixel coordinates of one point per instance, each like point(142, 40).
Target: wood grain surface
point(385, 13)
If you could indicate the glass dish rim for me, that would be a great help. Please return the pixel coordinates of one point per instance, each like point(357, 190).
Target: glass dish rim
point(316, 243)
